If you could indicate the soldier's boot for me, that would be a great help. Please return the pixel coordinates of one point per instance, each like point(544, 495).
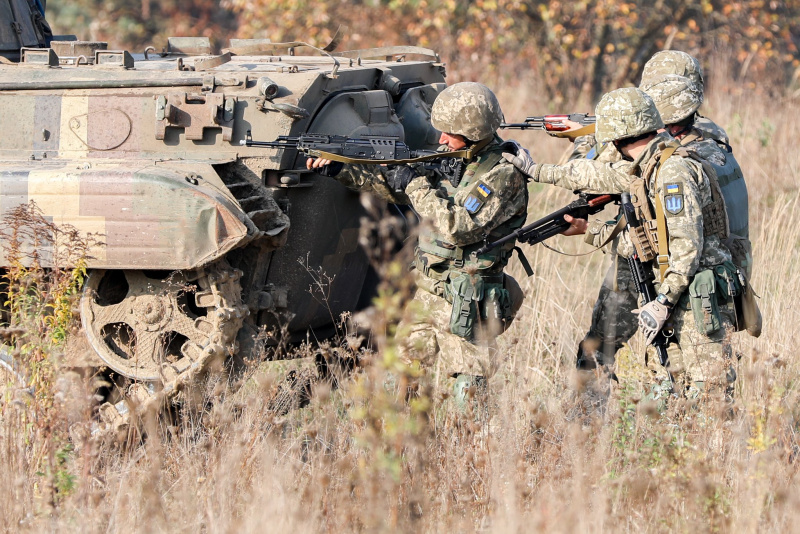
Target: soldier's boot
point(470, 395)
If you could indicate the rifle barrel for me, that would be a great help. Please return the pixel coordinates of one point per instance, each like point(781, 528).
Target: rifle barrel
point(523, 126)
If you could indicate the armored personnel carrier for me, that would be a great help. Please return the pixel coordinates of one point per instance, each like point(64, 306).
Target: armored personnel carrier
point(203, 240)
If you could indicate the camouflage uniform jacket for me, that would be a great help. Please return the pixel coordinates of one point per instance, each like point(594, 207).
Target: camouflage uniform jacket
point(492, 203)
point(712, 146)
point(586, 147)
point(689, 249)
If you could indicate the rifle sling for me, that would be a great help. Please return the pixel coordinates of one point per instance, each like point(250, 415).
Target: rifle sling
point(620, 226)
point(467, 154)
point(523, 260)
point(661, 221)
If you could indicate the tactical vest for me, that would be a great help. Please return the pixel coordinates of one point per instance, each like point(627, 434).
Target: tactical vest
point(734, 190)
point(651, 240)
point(456, 257)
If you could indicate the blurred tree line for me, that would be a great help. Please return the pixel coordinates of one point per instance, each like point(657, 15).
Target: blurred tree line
point(578, 48)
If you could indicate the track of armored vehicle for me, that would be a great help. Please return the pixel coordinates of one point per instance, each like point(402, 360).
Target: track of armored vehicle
point(201, 238)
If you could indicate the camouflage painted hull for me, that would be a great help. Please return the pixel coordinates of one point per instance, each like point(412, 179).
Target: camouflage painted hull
point(144, 153)
point(149, 217)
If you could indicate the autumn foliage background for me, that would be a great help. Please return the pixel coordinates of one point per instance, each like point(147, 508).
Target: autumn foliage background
point(578, 49)
point(358, 458)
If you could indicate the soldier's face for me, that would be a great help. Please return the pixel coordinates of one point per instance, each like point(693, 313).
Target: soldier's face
point(453, 141)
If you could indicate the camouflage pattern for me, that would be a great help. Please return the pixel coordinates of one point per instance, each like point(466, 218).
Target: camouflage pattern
point(469, 109)
point(425, 337)
point(712, 130)
point(676, 97)
point(697, 361)
point(624, 113)
point(672, 62)
point(587, 147)
point(445, 209)
point(447, 220)
point(689, 249)
point(371, 179)
point(613, 322)
point(108, 202)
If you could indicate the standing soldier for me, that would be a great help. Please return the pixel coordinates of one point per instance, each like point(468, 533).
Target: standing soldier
point(683, 207)
point(674, 80)
point(466, 300)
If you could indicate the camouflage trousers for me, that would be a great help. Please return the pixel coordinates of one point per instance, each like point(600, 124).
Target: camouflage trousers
point(694, 357)
point(613, 324)
point(425, 337)
point(697, 361)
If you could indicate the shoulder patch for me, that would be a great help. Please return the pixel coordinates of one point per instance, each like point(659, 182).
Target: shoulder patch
point(673, 198)
point(477, 198)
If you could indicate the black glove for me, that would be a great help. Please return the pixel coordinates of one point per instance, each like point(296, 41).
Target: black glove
point(331, 169)
point(399, 177)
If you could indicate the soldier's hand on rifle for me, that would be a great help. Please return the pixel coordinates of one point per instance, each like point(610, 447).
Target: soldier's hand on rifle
point(325, 167)
point(316, 163)
point(399, 178)
point(652, 317)
point(572, 125)
point(519, 157)
point(576, 226)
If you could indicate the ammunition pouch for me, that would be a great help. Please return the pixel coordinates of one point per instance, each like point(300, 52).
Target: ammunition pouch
point(703, 301)
point(724, 285)
point(497, 308)
point(645, 237)
point(645, 240)
point(741, 253)
point(478, 299)
point(729, 283)
point(464, 292)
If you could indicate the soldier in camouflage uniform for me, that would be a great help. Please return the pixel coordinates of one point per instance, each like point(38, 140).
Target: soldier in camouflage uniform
point(696, 226)
point(462, 301)
point(674, 80)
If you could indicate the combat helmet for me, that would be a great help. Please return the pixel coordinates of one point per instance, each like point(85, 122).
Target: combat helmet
point(469, 109)
point(672, 62)
point(676, 97)
point(623, 113)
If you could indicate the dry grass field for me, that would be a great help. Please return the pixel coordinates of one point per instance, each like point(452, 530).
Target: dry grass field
point(358, 458)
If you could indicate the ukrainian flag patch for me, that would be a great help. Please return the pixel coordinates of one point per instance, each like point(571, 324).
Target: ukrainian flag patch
point(477, 197)
point(484, 190)
point(673, 199)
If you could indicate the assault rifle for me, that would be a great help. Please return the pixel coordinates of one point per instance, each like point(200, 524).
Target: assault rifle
point(555, 125)
point(371, 150)
point(554, 223)
point(644, 279)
